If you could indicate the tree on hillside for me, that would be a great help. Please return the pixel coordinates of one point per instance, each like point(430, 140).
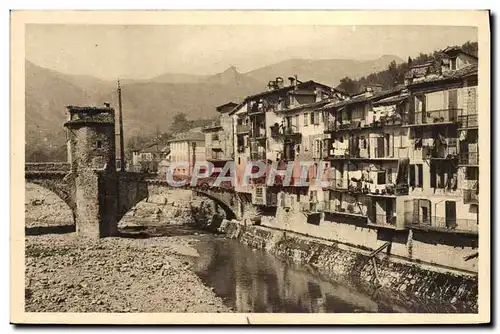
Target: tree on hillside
point(348, 85)
point(180, 123)
point(395, 74)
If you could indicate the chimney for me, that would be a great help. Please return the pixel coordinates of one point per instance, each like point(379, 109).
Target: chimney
point(296, 79)
point(279, 82)
point(271, 85)
point(106, 104)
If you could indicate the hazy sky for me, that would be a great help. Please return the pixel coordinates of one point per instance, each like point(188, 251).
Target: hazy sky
point(141, 52)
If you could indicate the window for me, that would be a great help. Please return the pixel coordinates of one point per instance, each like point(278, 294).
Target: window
point(472, 173)
point(412, 175)
point(418, 133)
point(306, 118)
point(239, 160)
point(389, 175)
point(453, 63)
point(99, 144)
point(297, 121)
point(316, 118)
point(420, 176)
point(364, 143)
point(381, 177)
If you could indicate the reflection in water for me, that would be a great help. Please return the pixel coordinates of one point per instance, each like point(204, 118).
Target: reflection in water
point(254, 281)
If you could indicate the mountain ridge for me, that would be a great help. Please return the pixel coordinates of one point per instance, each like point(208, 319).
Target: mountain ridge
point(150, 105)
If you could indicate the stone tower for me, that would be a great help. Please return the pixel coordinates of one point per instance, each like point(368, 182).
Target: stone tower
point(91, 152)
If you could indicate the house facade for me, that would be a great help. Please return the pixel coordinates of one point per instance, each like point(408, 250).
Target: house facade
point(219, 139)
point(149, 157)
point(398, 166)
point(444, 165)
point(186, 150)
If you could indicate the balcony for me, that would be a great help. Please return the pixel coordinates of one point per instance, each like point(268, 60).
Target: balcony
point(337, 184)
point(441, 224)
point(217, 156)
point(349, 210)
point(257, 156)
point(288, 132)
point(257, 109)
point(468, 159)
point(467, 121)
point(242, 128)
point(447, 152)
point(264, 197)
point(311, 207)
point(258, 134)
point(433, 117)
point(471, 196)
point(382, 220)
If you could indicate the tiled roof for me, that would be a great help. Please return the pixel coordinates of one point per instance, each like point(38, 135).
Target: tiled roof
point(364, 98)
point(188, 136)
point(302, 106)
point(392, 99)
point(448, 75)
point(287, 88)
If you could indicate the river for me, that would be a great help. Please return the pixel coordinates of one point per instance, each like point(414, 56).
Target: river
point(252, 280)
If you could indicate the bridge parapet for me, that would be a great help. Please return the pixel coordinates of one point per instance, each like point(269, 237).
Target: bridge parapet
point(47, 167)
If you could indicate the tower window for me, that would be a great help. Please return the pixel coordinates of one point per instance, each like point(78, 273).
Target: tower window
point(99, 144)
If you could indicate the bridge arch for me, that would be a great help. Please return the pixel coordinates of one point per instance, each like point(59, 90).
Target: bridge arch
point(228, 207)
point(62, 193)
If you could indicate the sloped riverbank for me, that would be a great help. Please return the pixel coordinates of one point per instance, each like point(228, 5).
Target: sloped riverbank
point(406, 284)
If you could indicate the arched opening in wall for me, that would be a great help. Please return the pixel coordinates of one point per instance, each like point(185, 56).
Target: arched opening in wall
point(46, 212)
point(163, 212)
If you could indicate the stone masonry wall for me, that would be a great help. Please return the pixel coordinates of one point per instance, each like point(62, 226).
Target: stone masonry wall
point(400, 281)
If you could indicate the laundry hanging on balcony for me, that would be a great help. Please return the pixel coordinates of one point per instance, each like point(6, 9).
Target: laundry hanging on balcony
point(463, 135)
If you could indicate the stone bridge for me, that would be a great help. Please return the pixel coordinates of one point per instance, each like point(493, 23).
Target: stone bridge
point(99, 198)
point(97, 194)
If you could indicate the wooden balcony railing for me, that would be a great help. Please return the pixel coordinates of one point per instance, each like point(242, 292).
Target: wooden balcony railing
point(467, 121)
point(311, 207)
point(242, 128)
point(471, 158)
point(442, 224)
point(471, 196)
point(349, 209)
point(383, 219)
point(257, 155)
point(433, 117)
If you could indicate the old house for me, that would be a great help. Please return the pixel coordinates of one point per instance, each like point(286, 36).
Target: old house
point(219, 140)
point(148, 158)
point(444, 165)
point(186, 150)
point(368, 154)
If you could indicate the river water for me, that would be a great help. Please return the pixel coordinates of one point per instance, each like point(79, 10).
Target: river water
point(252, 280)
point(255, 281)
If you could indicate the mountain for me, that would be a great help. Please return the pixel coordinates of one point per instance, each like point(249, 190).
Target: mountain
point(150, 105)
point(327, 71)
point(178, 78)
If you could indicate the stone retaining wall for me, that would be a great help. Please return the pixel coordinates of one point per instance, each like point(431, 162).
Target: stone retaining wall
point(399, 280)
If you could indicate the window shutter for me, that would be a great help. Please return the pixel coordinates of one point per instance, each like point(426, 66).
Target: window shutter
point(305, 119)
point(316, 118)
point(420, 175)
point(312, 118)
point(433, 175)
point(412, 175)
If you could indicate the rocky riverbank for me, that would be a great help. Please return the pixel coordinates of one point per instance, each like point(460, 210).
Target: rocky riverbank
point(136, 272)
point(67, 274)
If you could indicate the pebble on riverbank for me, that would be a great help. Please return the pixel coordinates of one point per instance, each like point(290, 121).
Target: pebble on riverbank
point(65, 273)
